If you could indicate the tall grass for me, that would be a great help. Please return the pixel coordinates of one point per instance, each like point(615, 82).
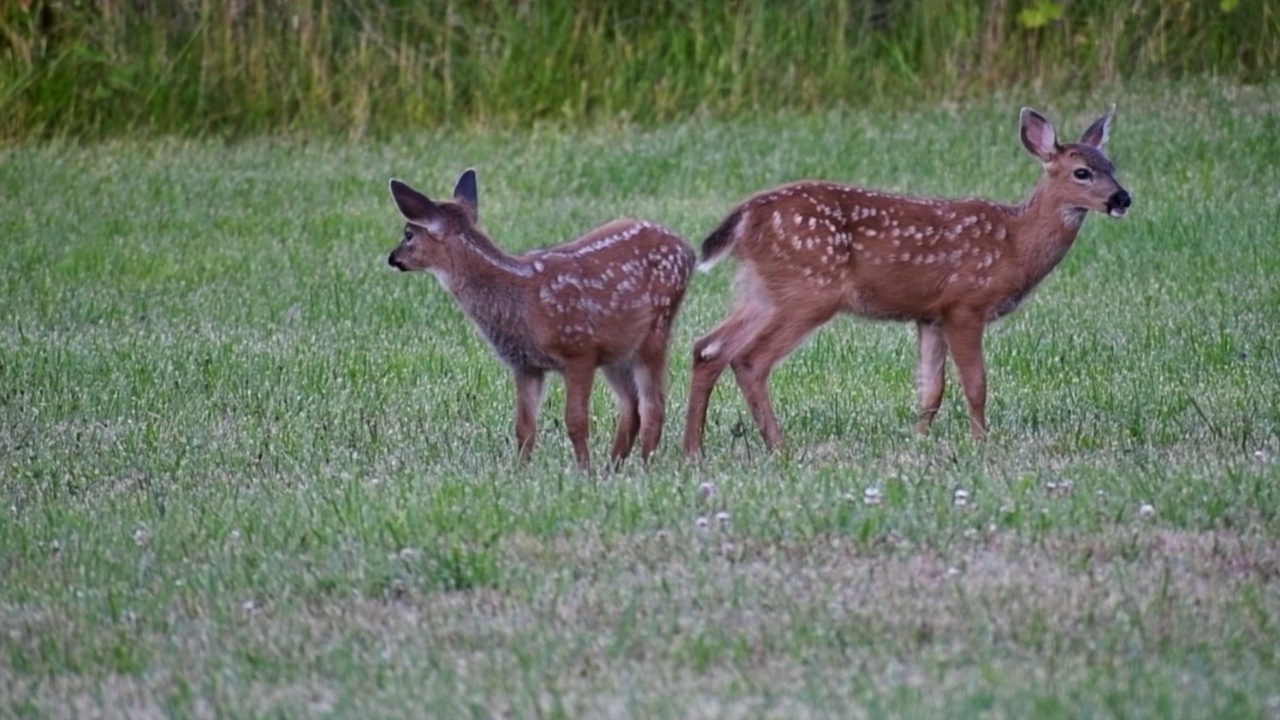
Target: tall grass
point(358, 67)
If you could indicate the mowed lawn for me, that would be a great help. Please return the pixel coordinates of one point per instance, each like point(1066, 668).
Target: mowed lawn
point(249, 470)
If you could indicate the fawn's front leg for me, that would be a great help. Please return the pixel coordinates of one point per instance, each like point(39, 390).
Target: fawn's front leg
point(530, 384)
point(964, 337)
point(579, 375)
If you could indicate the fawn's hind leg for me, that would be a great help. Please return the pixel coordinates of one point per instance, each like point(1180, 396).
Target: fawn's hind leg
point(931, 373)
point(776, 339)
point(711, 355)
point(622, 380)
point(651, 381)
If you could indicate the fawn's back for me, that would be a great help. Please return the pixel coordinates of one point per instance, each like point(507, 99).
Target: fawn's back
point(607, 288)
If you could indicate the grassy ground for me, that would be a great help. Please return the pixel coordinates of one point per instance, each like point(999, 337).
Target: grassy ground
point(248, 470)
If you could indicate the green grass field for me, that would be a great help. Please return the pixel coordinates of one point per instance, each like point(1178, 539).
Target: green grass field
point(248, 470)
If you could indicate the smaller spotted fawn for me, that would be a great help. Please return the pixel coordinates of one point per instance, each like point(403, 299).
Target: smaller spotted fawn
point(810, 250)
point(606, 300)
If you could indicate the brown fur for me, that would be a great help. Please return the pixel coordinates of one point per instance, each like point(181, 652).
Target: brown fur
point(810, 250)
point(606, 300)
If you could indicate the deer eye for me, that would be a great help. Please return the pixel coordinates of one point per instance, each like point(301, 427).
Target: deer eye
point(408, 234)
point(1082, 174)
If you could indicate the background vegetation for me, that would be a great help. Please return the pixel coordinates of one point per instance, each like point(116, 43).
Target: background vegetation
point(354, 67)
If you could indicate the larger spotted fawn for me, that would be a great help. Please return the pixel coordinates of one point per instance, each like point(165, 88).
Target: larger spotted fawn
point(606, 300)
point(810, 250)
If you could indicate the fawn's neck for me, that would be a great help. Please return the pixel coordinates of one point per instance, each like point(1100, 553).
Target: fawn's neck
point(493, 289)
point(490, 297)
point(488, 282)
point(1042, 230)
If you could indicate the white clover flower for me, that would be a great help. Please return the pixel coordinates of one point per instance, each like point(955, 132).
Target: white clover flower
point(872, 496)
point(1146, 510)
point(702, 522)
point(706, 489)
point(960, 498)
point(722, 517)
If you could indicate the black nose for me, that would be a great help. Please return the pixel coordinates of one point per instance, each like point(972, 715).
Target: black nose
point(393, 262)
point(1120, 199)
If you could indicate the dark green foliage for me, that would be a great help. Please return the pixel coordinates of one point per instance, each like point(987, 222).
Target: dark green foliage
point(358, 67)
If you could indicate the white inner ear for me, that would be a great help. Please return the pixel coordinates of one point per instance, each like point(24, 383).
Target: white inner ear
point(1106, 131)
point(435, 227)
point(1045, 138)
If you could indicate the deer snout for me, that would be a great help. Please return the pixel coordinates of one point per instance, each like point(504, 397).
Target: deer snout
point(395, 262)
point(1119, 203)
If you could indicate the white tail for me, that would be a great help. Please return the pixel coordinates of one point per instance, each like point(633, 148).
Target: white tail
point(810, 250)
point(606, 300)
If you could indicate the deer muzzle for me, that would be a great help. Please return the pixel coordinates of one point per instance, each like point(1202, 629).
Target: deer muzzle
point(1119, 202)
point(395, 262)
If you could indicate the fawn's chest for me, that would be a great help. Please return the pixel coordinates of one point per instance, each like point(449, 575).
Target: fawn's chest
point(516, 350)
point(1010, 302)
point(1027, 274)
point(502, 321)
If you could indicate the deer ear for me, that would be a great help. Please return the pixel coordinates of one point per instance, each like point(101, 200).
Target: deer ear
point(466, 193)
point(414, 206)
point(1038, 135)
point(1100, 130)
